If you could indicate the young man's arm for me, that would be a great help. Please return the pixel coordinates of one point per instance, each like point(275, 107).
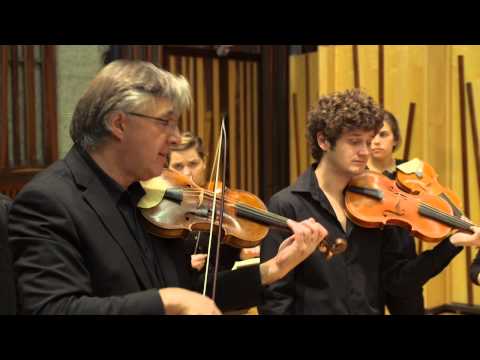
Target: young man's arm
point(277, 297)
point(402, 276)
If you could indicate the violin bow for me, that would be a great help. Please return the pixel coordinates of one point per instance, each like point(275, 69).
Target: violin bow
point(221, 150)
point(222, 203)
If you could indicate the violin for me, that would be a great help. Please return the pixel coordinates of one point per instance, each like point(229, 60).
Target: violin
point(372, 200)
point(416, 176)
point(174, 206)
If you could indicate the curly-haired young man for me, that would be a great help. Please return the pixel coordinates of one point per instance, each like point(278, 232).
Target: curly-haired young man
point(340, 130)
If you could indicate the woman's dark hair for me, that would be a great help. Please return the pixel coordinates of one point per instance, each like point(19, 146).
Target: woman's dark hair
point(393, 122)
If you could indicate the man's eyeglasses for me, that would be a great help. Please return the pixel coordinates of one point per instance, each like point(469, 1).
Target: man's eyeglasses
point(170, 124)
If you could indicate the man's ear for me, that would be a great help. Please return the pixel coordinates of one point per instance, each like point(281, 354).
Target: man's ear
point(322, 142)
point(116, 124)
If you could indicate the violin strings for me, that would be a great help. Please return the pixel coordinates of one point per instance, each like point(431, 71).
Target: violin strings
point(267, 217)
point(443, 214)
point(257, 215)
point(244, 207)
point(446, 217)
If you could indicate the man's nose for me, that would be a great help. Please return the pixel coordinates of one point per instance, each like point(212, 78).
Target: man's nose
point(174, 138)
point(365, 149)
point(186, 171)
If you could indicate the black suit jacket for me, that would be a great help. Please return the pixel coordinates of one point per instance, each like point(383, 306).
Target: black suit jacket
point(74, 253)
point(7, 282)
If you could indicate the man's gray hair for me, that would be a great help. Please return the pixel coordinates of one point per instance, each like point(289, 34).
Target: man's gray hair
point(124, 85)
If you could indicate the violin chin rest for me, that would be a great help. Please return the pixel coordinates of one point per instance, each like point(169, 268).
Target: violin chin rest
point(154, 192)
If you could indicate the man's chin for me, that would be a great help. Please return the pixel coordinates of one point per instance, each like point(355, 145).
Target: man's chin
point(357, 170)
point(152, 175)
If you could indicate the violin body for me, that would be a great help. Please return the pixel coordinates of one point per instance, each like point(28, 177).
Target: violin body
point(188, 208)
point(373, 200)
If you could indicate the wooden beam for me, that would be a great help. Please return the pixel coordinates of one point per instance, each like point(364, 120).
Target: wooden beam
point(256, 113)
point(200, 118)
point(191, 79)
point(250, 125)
point(476, 149)
point(49, 68)
point(356, 69)
point(149, 53)
point(124, 52)
point(162, 57)
point(408, 136)
point(466, 190)
point(296, 135)
point(406, 151)
point(232, 123)
point(473, 122)
point(4, 107)
point(242, 160)
point(136, 52)
point(381, 76)
point(29, 103)
point(209, 125)
point(197, 96)
point(15, 107)
point(216, 112)
point(274, 134)
point(308, 102)
point(225, 109)
point(236, 127)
